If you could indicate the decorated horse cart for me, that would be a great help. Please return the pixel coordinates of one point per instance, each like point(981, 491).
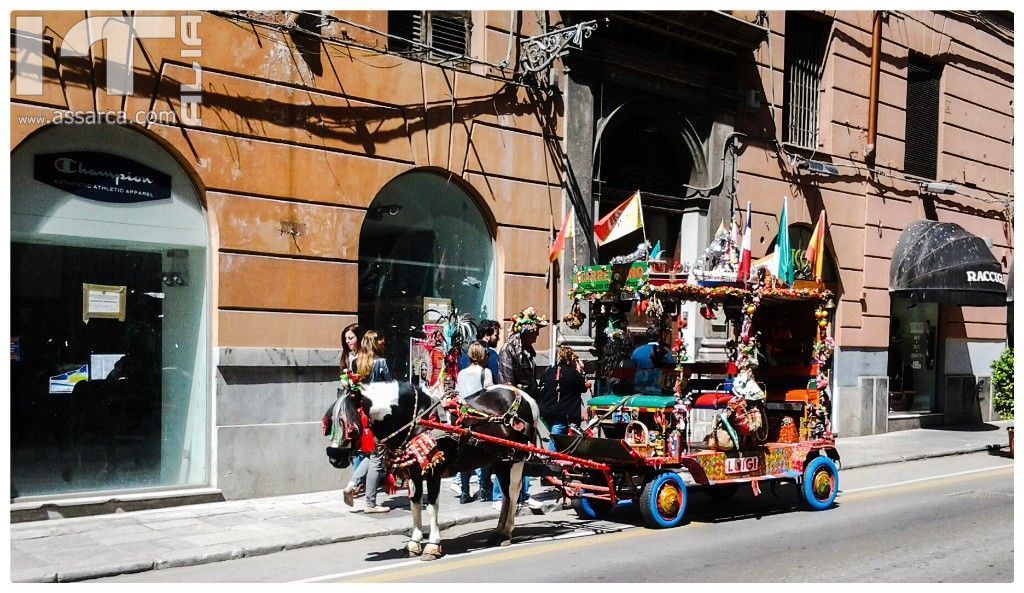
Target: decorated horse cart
point(761, 414)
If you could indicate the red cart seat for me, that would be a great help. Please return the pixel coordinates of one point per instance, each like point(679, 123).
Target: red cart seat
point(713, 400)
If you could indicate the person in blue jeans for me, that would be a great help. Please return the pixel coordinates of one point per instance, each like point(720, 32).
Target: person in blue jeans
point(488, 332)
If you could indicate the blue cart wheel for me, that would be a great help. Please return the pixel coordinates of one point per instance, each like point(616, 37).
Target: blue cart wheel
point(663, 500)
point(820, 484)
point(588, 508)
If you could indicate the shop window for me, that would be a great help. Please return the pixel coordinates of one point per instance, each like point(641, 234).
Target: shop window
point(109, 342)
point(922, 132)
point(806, 42)
point(424, 244)
point(437, 36)
point(912, 367)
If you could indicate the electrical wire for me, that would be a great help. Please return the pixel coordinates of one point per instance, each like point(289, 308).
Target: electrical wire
point(231, 15)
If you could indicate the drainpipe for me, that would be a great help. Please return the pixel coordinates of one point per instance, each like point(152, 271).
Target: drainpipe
point(876, 57)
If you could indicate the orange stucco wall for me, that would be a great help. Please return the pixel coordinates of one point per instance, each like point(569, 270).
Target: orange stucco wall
point(866, 213)
point(298, 131)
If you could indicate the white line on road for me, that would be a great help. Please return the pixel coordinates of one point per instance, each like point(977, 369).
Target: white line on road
point(419, 562)
point(586, 533)
point(963, 473)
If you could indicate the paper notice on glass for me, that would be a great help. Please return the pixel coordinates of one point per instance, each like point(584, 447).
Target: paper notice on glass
point(100, 365)
point(103, 301)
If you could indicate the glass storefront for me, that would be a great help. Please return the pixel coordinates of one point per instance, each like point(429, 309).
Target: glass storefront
point(109, 329)
point(423, 238)
point(912, 363)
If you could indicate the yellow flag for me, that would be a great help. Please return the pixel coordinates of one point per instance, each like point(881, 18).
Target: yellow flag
point(624, 219)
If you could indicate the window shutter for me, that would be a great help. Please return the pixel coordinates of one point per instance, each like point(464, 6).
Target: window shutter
point(449, 32)
point(922, 137)
point(806, 39)
point(407, 24)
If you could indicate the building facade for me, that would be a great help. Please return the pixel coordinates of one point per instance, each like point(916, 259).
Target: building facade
point(296, 172)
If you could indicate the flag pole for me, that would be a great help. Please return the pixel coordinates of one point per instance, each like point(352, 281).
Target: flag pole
point(643, 227)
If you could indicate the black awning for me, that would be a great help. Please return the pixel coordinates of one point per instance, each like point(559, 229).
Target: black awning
point(940, 262)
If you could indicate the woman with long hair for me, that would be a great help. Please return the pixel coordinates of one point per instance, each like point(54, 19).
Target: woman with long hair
point(372, 367)
point(351, 338)
point(370, 362)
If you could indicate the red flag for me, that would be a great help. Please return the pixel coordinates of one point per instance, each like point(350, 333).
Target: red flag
point(568, 230)
point(743, 272)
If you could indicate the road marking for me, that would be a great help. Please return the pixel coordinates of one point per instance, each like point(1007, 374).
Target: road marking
point(418, 562)
point(532, 547)
point(927, 479)
point(509, 554)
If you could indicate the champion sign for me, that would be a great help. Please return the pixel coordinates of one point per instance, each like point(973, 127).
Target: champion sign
point(984, 276)
point(102, 177)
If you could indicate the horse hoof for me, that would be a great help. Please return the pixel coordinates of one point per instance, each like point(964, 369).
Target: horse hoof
point(498, 539)
point(431, 552)
point(414, 548)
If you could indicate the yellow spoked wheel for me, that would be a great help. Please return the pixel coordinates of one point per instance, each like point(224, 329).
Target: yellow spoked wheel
point(820, 483)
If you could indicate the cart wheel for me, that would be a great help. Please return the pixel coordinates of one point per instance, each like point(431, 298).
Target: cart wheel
point(722, 491)
point(663, 500)
point(589, 508)
point(820, 484)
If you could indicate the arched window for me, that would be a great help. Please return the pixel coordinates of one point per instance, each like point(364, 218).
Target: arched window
point(644, 151)
point(424, 243)
point(109, 315)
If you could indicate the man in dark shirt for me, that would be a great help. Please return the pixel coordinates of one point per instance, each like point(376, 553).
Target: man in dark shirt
point(487, 334)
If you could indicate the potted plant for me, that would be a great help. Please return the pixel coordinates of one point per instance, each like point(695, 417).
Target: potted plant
point(1002, 389)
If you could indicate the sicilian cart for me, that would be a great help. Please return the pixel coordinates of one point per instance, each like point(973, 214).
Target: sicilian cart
point(760, 414)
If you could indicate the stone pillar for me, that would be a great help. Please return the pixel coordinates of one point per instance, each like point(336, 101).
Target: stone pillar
point(579, 149)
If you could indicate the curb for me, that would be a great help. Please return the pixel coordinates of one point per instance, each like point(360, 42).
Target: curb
point(210, 556)
point(229, 552)
point(905, 458)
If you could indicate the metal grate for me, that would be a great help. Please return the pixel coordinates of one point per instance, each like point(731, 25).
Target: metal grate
point(922, 137)
point(806, 39)
point(445, 31)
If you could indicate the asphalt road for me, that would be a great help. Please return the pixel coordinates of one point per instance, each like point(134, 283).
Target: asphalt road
point(938, 520)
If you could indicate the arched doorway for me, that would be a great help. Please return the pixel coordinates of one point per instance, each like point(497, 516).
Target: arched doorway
point(424, 237)
point(645, 146)
point(109, 315)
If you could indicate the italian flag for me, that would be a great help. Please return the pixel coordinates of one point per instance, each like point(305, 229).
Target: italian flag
point(624, 219)
point(743, 272)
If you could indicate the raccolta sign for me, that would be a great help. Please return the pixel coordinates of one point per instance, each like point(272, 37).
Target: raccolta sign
point(102, 177)
point(984, 276)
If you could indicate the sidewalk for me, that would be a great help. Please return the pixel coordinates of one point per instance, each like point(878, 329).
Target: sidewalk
point(104, 545)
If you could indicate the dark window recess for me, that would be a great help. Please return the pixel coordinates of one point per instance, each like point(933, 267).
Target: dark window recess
point(438, 36)
point(922, 138)
point(806, 40)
